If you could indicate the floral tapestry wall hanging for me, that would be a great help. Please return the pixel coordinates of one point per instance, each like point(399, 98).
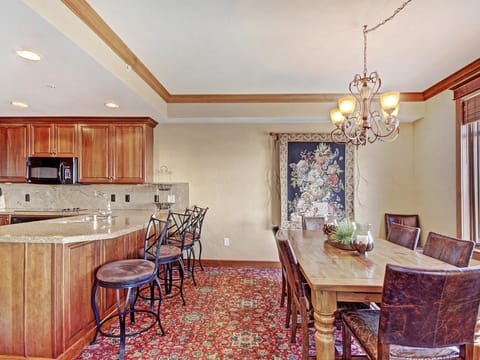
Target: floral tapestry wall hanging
point(316, 178)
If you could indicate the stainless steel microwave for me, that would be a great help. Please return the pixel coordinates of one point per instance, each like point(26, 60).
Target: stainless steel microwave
point(52, 170)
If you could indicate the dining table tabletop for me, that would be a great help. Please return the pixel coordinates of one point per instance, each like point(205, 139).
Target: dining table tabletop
point(336, 274)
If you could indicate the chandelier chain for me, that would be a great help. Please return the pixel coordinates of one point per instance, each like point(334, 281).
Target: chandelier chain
point(366, 31)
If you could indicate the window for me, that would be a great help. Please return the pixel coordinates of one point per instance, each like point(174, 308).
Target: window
point(468, 154)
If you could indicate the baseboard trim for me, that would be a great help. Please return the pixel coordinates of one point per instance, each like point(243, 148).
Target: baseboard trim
point(240, 264)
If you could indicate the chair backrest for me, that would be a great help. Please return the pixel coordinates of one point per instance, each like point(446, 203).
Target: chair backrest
point(180, 225)
point(449, 249)
point(201, 212)
point(289, 260)
point(429, 308)
point(313, 222)
point(406, 236)
point(155, 236)
point(409, 220)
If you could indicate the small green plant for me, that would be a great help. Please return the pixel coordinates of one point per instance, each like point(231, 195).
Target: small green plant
point(343, 231)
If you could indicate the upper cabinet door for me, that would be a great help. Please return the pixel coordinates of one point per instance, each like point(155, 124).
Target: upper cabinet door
point(58, 140)
point(95, 158)
point(13, 152)
point(128, 152)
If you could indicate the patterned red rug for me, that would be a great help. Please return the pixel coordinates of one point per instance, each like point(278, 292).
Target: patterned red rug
point(231, 314)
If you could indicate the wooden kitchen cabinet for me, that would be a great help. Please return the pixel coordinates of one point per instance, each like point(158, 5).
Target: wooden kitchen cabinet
point(53, 139)
point(13, 152)
point(50, 315)
point(94, 162)
point(109, 150)
point(4, 219)
point(120, 153)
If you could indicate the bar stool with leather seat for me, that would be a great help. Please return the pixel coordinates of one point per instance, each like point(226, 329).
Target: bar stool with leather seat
point(129, 275)
point(178, 230)
point(170, 259)
point(196, 226)
point(425, 314)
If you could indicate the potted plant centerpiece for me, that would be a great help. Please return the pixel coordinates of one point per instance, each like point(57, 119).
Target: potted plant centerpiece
point(341, 235)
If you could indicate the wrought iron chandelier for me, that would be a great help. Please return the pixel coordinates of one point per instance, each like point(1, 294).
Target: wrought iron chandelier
point(357, 119)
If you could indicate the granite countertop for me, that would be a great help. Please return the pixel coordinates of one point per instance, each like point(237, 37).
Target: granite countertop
point(78, 228)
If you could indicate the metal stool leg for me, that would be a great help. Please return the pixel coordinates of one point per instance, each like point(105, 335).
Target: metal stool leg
point(95, 311)
point(200, 254)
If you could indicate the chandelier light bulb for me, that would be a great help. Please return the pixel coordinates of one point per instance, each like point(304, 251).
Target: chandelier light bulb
point(389, 100)
point(347, 104)
point(337, 117)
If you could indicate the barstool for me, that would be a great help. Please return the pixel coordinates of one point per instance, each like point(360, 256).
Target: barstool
point(169, 258)
point(130, 274)
point(197, 225)
point(178, 231)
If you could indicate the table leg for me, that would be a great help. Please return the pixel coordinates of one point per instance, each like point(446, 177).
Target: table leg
point(324, 306)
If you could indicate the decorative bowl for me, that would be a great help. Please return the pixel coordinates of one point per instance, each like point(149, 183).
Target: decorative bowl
point(340, 245)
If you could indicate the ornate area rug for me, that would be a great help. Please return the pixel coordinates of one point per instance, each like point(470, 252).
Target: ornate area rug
point(232, 314)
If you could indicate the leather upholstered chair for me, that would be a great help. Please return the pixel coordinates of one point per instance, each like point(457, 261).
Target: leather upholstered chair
point(130, 275)
point(406, 236)
point(409, 220)
point(299, 295)
point(313, 222)
point(454, 251)
point(425, 314)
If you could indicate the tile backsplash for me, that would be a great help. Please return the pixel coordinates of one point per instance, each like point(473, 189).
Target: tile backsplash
point(54, 197)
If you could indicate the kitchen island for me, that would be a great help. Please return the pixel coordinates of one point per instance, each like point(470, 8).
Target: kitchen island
point(48, 270)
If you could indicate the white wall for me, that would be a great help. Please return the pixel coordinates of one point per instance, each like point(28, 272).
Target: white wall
point(228, 168)
point(434, 147)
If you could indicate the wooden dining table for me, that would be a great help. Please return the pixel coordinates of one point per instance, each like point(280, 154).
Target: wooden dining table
point(345, 275)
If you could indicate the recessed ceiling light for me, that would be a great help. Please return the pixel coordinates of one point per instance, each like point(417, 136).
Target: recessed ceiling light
point(29, 55)
point(19, 104)
point(112, 105)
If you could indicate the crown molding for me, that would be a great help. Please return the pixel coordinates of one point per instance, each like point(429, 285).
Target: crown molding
point(92, 19)
point(457, 78)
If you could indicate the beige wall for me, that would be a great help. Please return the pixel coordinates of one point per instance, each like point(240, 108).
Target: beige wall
point(228, 168)
point(435, 173)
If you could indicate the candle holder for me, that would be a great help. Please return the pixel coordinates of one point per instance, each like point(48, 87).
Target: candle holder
point(362, 240)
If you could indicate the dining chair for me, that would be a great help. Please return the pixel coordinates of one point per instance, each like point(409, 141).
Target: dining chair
point(130, 275)
point(425, 314)
point(284, 291)
point(449, 249)
point(299, 291)
point(404, 235)
point(313, 222)
point(170, 260)
point(403, 219)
